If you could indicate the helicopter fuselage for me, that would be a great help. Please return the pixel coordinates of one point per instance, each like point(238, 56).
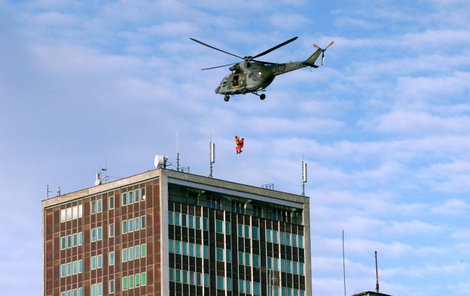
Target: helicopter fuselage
point(254, 76)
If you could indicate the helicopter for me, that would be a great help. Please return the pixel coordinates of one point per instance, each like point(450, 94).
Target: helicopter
point(253, 76)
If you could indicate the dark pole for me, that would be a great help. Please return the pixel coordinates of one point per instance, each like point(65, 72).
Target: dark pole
point(376, 273)
point(344, 269)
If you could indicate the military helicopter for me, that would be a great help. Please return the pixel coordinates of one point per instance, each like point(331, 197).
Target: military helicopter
point(253, 76)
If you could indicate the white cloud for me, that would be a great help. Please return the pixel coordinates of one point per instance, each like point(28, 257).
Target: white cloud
point(413, 227)
point(419, 123)
point(452, 207)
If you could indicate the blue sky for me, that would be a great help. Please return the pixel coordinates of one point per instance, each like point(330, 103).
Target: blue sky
point(384, 125)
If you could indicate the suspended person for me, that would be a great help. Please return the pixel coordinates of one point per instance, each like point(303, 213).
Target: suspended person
point(239, 143)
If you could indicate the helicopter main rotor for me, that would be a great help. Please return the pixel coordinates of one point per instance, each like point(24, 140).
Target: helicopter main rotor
point(246, 58)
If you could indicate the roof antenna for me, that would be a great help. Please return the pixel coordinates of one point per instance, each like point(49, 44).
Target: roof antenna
point(177, 153)
point(212, 156)
point(47, 191)
point(304, 176)
point(376, 273)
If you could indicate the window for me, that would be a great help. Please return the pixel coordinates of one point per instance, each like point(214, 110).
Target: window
point(130, 255)
point(130, 197)
point(71, 213)
point(269, 237)
point(124, 199)
point(170, 218)
point(220, 283)
point(111, 202)
point(71, 268)
point(63, 270)
point(191, 221)
point(220, 254)
point(124, 255)
point(177, 219)
point(256, 288)
point(124, 226)
point(219, 226)
point(205, 223)
point(131, 280)
point(142, 222)
point(96, 234)
point(130, 225)
point(97, 289)
point(137, 224)
point(137, 252)
point(254, 231)
point(112, 287)
point(255, 260)
point(71, 240)
point(124, 283)
point(96, 206)
point(137, 195)
point(96, 262)
point(74, 292)
point(137, 280)
point(229, 284)
point(143, 279)
point(247, 287)
point(111, 230)
point(227, 228)
point(111, 258)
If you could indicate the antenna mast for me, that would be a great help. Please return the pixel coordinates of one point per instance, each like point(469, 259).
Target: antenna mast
point(304, 176)
point(212, 157)
point(177, 153)
point(376, 273)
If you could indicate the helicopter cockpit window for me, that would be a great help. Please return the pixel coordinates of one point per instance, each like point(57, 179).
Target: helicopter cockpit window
point(224, 82)
point(235, 79)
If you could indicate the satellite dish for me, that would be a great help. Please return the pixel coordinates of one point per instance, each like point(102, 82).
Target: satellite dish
point(98, 179)
point(160, 161)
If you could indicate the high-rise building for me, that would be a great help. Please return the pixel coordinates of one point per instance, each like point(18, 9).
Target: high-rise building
point(166, 232)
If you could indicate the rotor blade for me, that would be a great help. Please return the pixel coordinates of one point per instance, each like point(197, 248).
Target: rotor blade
point(274, 48)
point(263, 62)
point(316, 46)
point(221, 66)
point(331, 43)
point(210, 46)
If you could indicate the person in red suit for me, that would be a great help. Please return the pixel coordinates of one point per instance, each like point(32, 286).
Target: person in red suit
point(239, 143)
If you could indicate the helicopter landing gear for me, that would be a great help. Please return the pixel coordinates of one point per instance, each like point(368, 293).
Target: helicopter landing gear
point(261, 96)
point(226, 98)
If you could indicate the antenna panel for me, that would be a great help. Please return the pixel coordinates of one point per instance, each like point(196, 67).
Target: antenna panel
point(159, 161)
point(304, 172)
point(212, 151)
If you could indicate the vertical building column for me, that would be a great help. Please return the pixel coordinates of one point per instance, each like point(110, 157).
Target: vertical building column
point(308, 263)
point(164, 252)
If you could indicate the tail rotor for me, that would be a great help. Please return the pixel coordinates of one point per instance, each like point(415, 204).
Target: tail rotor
point(323, 51)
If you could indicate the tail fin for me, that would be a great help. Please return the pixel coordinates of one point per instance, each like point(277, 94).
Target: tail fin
point(313, 58)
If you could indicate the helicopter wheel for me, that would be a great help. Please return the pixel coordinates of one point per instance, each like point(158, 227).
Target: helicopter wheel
point(226, 98)
point(262, 96)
